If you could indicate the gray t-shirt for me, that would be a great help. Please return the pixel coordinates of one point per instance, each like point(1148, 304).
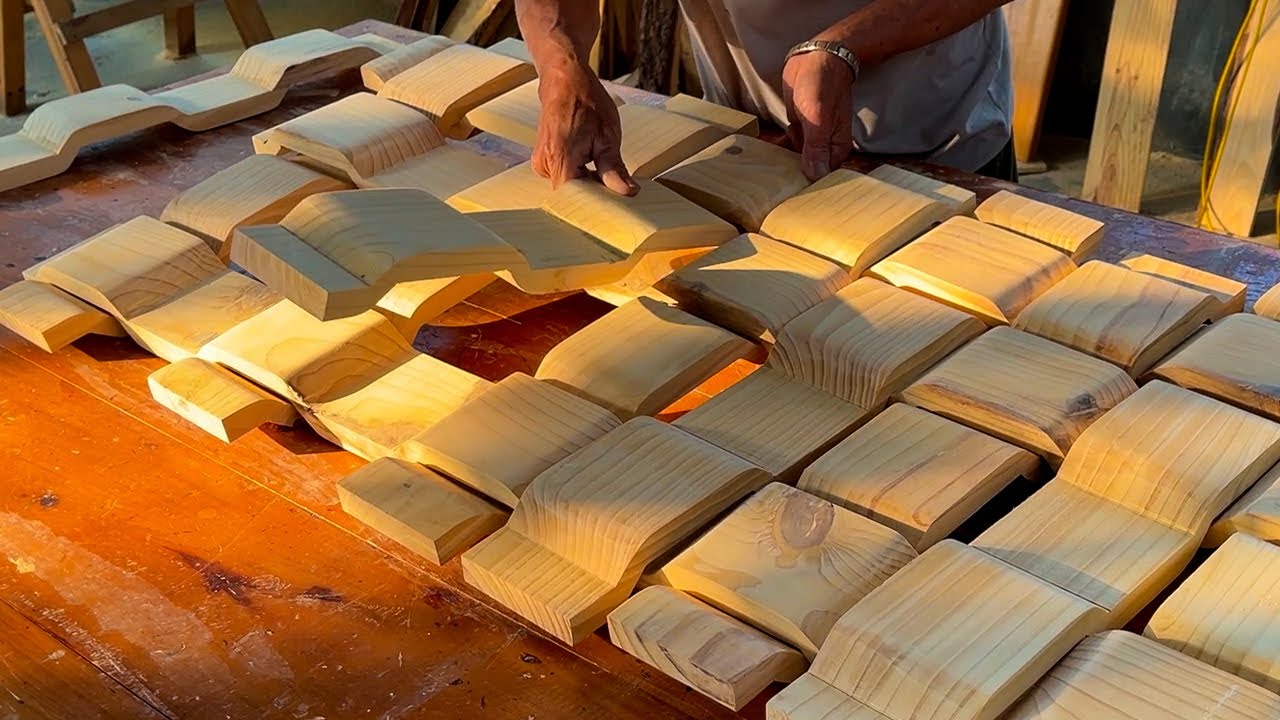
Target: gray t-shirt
point(950, 101)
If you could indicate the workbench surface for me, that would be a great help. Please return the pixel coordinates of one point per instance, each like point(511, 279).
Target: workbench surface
point(148, 570)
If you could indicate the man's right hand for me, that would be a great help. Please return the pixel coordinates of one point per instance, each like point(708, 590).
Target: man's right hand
point(579, 125)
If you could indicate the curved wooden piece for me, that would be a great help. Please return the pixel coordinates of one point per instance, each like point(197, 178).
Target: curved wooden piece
point(1230, 293)
point(376, 72)
point(1022, 389)
point(49, 318)
point(917, 473)
point(514, 115)
point(727, 119)
point(655, 140)
point(453, 82)
point(1233, 360)
point(740, 178)
point(516, 188)
point(957, 200)
point(703, 648)
point(1268, 306)
point(557, 256)
point(576, 545)
point(410, 305)
point(1257, 513)
point(216, 400)
point(1072, 233)
point(1119, 315)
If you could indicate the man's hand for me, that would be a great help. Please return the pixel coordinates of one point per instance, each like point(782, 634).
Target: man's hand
point(818, 90)
point(579, 125)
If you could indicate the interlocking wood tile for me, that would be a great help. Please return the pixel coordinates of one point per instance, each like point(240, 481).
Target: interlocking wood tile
point(516, 188)
point(49, 318)
point(378, 71)
point(1268, 306)
point(655, 140)
point(957, 200)
point(1257, 512)
point(741, 179)
point(1230, 293)
point(1233, 360)
point(1072, 233)
point(513, 115)
point(216, 400)
point(726, 118)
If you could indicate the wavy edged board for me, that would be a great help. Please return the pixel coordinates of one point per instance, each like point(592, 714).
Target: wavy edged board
point(1257, 513)
point(917, 473)
point(453, 82)
point(1230, 293)
point(1072, 233)
point(1233, 360)
point(655, 140)
point(740, 178)
point(753, 285)
point(514, 115)
point(258, 190)
point(979, 268)
point(216, 400)
point(1268, 306)
point(376, 72)
point(955, 199)
point(418, 509)
point(503, 438)
point(584, 530)
point(410, 305)
point(731, 121)
point(516, 188)
point(641, 357)
point(49, 318)
point(557, 256)
point(955, 635)
point(1119, 315)
point(1122, 676)
point(852, 219)
point(1022, 389)
point(788, 563)
point(1225, 614)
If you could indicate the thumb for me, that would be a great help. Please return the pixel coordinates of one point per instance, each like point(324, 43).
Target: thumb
point(613, 172)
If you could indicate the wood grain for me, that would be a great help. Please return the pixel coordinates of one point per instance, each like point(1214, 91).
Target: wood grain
point(49, 318)
point(215, 400)
point(1073, 234)
point(376, 72)
point(727, 119)
point(453, 82)
point(740, 178)
point(1231, 293)
point(1268, 306)
point(1232, 360)
point(1257, 513)
point(955, 200)
point(655, 140)
point(1035, 29)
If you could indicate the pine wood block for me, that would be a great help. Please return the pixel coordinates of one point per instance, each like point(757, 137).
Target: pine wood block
point(703, 648)
point(1228, 292)
point(754, 285)
point(443, 172)
point(852, 219)
point(916, 473)
point(49, 318)
point(1233, 360)
point(180, 327)
point(641, 357)
point(516, 188)
point(646, 270)
point(809, 698)
point(740, 178)
point(1127, 677)
point(376, 72)
point(958, 200)
point(1072, 233)
point(453, 82)
point(655, 140)
point(512, 47)
point(216, 400)
point(1268, 306)
point(1257, 513)
point(788, 563)
point(1225, 614)
point(410, 305)
point(981, 269)
point(258, 190)
point(505, 436)
point(727, 119)
point(418, 509)
point(557, 256)
point(584, 529)
point(514, 115)
point(955, 634)
point(1119, 315)
point(869, 341)
point(1022, 389)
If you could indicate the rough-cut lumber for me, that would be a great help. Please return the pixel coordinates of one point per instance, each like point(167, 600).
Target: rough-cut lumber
point(455, 81)
point(1230, 293)
point(258, 190)
point(513, 115)
point(516, 188)
point(711, 652)
point(1268, 306)
point(852, 219)
point(917, 473)
point(585, 529)
point(1257, 512)
point(979, 268)
point(418, 509)
point(49, 318)
point(1023, 389)
point(1119, 315)
point(1072, 233)
point(410, 305)
point(955, 199)
point(740, 178)
point(504, 437)
point(1225, 614)
point(375, 73)
point(216, 400)
point(788, 563)
point(1121, 676)
point(727, 119)
point(655, 140)
point(1234, 360)
point(754, 285)
point(641, 357)
point(955, 635)
point(1035, 29)
point(1132, 76)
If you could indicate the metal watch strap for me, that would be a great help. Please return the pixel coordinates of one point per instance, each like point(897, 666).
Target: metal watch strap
point(830, 47)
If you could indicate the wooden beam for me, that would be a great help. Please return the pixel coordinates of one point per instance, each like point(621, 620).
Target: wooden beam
point(71, 58)
point(249, 20)
point(13, 60)
point(180, 32)
point(1035, 29)
point(79, 27)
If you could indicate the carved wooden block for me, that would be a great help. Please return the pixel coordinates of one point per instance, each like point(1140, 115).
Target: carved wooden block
point(375, 73)
point(852, 219)
point(516, 188)
point(917, 473)
point(1233, 360)
point(958, 200)
point(584, 529)
point(1127, 677)
point(513, 115)
point(703, 648)
point(740, 178)
point(258, 190)
point(754, 285)
point(418, 509)
point(1023, 389)
point(410, 305)
point(1119, 315)
point(727, 119)
point(956, 634)
point(788, 563)
point(504, 437)
point(978, 268)
point(655, 140)
point(49, 318)
point(216, 400)
point(556, 255)
point(453, 82)
point(181, 327)
point(1268, 306)
point(1225, 614)
point(1257, 513)
point(1228, 292)
point(1072, 233)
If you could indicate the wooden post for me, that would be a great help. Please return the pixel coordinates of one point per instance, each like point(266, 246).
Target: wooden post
point(13, 72)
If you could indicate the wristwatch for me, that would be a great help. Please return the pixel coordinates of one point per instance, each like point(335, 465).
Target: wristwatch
point(829, 47)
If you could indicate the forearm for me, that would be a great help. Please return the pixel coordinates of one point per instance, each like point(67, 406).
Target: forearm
point(559, 33)
point(885, 28)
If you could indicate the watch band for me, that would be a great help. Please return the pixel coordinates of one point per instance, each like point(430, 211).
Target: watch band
point(830, 47)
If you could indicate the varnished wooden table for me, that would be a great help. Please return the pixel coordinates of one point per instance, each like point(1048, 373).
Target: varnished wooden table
point(149, 571)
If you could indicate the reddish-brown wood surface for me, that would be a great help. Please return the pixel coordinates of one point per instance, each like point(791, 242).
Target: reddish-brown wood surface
point(185, 578)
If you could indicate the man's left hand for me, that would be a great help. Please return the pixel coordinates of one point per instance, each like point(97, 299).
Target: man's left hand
point(818, 90)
